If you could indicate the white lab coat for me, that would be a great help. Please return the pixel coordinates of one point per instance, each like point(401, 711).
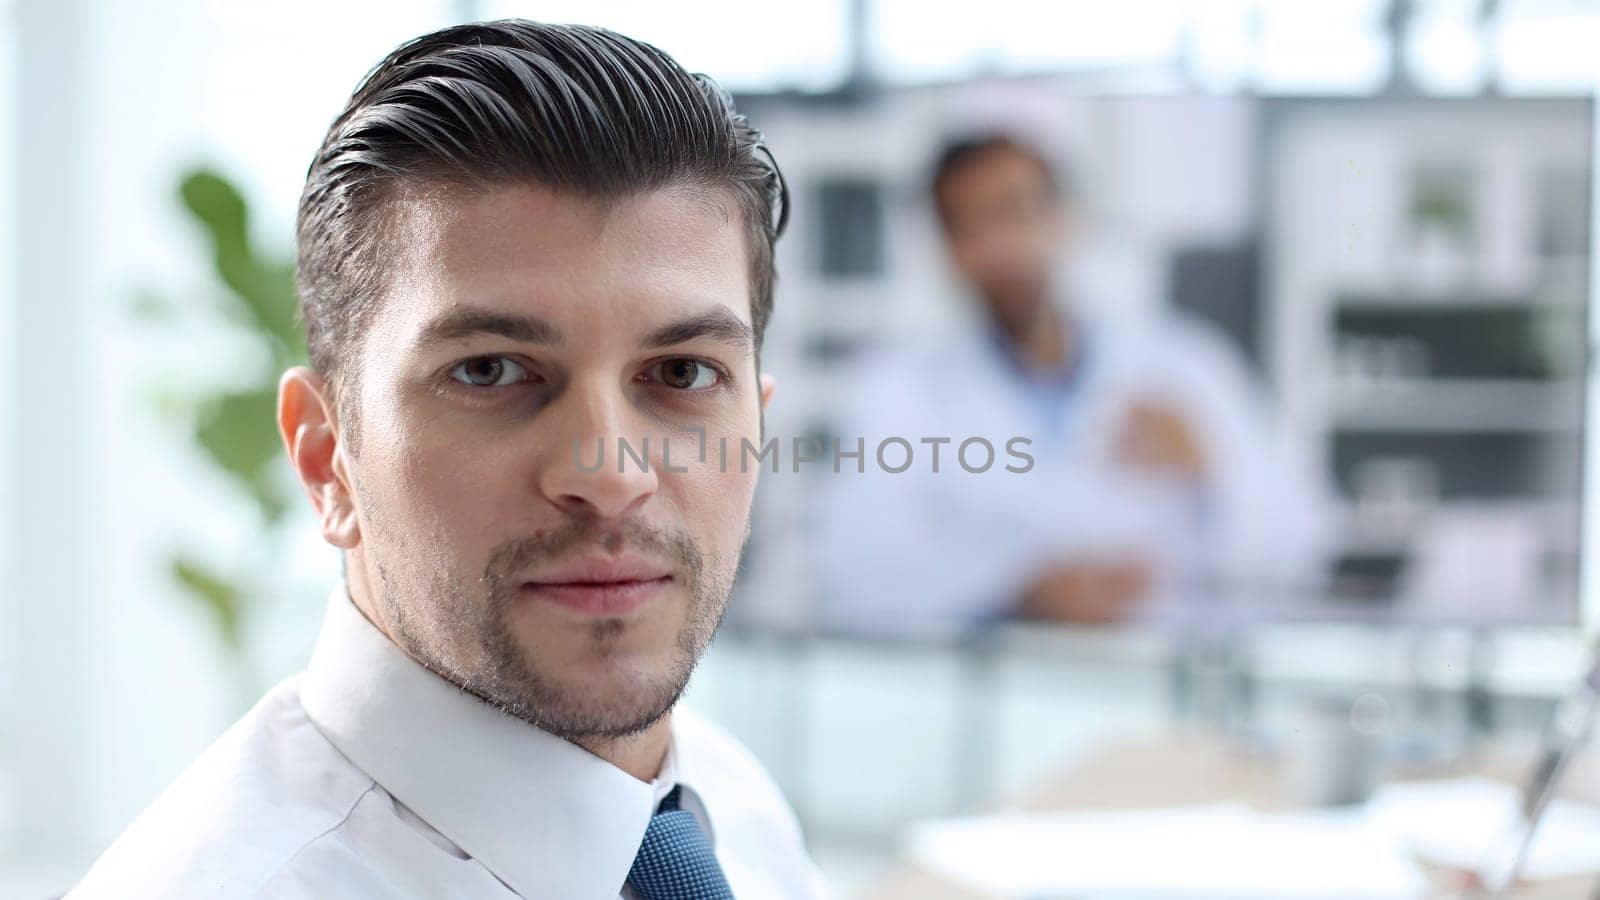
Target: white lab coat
point(924, 552)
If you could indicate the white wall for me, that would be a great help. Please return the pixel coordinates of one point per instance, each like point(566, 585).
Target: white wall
point(115, 680)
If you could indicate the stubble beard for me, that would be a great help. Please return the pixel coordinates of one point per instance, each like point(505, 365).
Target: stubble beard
point(461, 629)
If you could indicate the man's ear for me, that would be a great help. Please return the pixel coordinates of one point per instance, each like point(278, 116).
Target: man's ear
point(768, 383)
point(310, 431)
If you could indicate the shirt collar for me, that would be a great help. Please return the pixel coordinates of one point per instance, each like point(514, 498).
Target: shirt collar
point(546, 816)
point(663, 783)
point(1062, 377)
point(705, 785)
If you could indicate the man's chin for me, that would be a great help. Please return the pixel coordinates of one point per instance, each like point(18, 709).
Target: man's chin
point(610, 704)
point(599, 676)
point(558, 642)
point(620, 678)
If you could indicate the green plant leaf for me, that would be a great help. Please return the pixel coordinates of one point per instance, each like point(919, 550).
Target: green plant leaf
point(214, 200)
point(237, 429)
point(263, 290)
point(240, 433)
point(217, 595)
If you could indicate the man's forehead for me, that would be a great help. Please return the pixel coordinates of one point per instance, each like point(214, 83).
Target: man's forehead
point(461, 223)
point(527, 249)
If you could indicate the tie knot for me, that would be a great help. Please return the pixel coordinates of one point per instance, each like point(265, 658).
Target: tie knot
point(671, 800)
point(675, 859)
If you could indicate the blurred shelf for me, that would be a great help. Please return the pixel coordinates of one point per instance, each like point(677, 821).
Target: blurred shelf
point(1409, 299)
point(1374, 535)
point(1460, 406)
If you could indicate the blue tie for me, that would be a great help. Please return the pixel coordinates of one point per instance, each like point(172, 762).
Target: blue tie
point(675, 862)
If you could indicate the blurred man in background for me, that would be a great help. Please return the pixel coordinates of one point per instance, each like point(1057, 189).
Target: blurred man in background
point(1156, 461)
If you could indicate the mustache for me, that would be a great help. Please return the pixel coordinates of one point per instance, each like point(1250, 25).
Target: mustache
point(515, 556)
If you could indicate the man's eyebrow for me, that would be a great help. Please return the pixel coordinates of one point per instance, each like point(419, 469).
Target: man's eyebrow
point(464, 323)
point(718, 324)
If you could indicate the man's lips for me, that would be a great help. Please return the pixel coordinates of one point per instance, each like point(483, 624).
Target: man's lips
point(602, 587)
point(611, 598)
point(604, 570)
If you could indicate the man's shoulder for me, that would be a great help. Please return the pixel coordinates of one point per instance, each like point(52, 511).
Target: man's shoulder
point(905, 386)
point(268, 789)
point(1175, 337)
point(912, 356)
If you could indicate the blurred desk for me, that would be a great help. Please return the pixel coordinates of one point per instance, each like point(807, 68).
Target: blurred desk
point(1194, 769)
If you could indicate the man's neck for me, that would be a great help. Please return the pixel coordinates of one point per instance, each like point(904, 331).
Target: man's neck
point(1039, 340)
point(640, 755)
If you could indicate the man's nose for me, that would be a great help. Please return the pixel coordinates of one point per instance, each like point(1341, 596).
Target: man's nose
point(603, 463)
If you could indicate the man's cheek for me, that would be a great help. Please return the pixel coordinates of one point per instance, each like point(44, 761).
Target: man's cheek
point(730, 499)
point(431, 492)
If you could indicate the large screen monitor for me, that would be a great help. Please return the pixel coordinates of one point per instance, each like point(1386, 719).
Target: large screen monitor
point(1369, 315)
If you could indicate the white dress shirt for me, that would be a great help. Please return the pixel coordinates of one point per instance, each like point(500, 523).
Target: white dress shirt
point(370, 776)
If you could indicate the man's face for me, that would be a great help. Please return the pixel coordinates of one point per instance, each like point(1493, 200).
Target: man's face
point(522, 327)
point(1004, 229)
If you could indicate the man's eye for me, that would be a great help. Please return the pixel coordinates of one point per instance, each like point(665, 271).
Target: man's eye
point(489, 371)
point(686, 374)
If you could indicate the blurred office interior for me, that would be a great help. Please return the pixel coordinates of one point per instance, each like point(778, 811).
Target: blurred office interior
point(1381, 210)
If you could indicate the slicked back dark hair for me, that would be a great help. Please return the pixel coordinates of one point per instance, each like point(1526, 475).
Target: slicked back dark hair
point(576, 108)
